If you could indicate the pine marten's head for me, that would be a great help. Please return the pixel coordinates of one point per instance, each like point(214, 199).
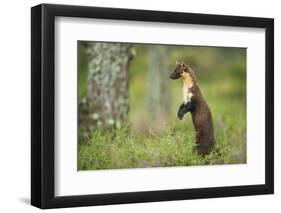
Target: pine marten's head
point(184, 71)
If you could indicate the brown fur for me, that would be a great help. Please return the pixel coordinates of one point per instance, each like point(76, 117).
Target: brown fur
point(203, 122)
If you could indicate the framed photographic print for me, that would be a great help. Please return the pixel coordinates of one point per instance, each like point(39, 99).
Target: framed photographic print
point(138, 106)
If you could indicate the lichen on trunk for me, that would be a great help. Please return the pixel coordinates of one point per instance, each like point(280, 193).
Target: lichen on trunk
point(107, 95)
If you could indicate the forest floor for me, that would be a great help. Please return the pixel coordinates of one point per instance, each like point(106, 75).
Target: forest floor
point(121, 149)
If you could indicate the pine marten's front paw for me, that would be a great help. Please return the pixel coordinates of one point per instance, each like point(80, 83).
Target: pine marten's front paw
point(184, 108)
point(180, 114)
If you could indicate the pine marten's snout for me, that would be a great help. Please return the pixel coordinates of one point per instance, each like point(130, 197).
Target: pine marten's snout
point(177, 73)
point(174, 76)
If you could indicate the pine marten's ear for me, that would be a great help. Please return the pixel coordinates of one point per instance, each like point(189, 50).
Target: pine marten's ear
point(184, 67)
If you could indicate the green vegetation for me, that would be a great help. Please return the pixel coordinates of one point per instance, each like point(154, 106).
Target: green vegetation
point(221, 74)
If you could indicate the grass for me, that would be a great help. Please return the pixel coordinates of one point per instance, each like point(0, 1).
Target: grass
point(122, 149)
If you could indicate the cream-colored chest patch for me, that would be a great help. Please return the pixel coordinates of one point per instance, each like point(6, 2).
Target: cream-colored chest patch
point(187, 94)
point(187, 85)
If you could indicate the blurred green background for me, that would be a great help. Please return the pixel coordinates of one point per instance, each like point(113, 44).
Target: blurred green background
point(153, 138)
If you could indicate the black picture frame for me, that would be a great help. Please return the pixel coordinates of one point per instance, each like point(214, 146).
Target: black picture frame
point(43, 102)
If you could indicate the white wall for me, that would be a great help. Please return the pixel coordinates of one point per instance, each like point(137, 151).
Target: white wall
point(15, 105)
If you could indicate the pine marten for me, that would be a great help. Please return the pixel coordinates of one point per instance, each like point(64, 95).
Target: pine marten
point(194, 102)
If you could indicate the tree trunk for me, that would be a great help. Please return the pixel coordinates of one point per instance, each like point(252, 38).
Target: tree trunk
point(159, 87)
point(107, 97)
